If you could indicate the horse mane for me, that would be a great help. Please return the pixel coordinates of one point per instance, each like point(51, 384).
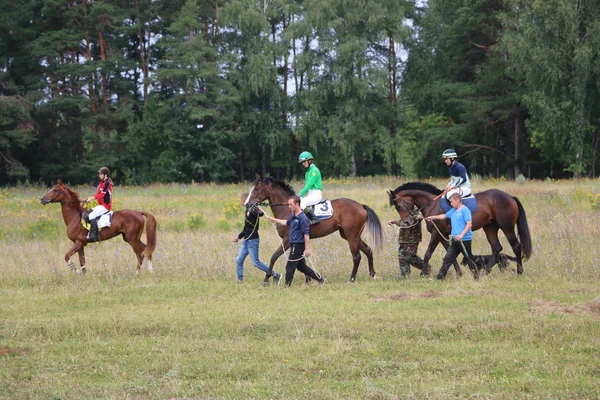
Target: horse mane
point(425, 187)
point(281, 184)
point(74, 194)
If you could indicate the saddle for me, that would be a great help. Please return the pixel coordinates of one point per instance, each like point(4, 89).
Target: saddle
point(469, 201)
point(322, 210)
point(103, 222)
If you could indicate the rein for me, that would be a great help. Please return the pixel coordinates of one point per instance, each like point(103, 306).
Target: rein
point(271, 204)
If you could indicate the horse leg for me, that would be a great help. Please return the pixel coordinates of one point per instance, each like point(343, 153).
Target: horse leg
point(362, 246)
point(138, 248)
point(81, 255)
point(285, 244)
point(354, 245)
point(75, 248)
point(491, 232)
point(516, 247)
point(455, 264)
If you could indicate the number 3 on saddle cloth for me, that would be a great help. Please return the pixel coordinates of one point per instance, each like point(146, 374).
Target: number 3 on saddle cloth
point(322, 210)
point(470, 201)
point(103, 222)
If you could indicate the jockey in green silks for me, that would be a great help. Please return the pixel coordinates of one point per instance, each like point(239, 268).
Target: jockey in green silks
point(312, 193)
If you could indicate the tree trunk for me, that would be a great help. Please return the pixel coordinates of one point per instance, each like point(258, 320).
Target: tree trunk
point(517, 139)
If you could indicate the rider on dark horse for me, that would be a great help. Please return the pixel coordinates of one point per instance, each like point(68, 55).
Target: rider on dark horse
point(104, 197)
point(311, 194)
point(459, 179)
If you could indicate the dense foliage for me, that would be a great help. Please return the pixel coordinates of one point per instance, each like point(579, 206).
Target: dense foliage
point(216, 90)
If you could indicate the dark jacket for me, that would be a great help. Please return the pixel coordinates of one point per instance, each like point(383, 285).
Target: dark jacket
point(251, 224)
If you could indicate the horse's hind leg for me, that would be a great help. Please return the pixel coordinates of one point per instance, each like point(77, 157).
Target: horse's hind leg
point(362, 246)
point(491, 232)
point(516, 247)
point(354, 245)
point(138, 248)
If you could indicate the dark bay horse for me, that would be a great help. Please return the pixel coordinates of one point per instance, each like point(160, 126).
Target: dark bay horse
point(496, 210)
point(128, 223)
point(349, 218)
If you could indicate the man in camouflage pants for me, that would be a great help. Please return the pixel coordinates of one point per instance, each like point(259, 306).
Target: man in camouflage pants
point(409, 238)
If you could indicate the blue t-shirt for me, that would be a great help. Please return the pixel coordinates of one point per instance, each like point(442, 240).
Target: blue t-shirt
point(459, 219)
point(299, 226)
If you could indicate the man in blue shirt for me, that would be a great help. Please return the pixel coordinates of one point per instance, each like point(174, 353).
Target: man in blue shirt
point(460, 237)
point(299, 242)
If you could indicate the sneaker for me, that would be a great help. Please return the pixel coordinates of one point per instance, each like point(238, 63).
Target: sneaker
point(277, 278)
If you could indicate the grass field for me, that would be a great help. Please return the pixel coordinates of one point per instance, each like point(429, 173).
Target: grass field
point(189, 331)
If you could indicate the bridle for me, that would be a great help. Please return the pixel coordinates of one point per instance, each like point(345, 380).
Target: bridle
point(62, 189)
point(264, 204)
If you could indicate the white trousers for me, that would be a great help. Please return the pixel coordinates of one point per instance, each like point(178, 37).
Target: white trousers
point(311, 198)
point(463, 191)
point(97, 211)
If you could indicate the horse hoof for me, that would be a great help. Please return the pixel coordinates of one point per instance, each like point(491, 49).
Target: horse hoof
point(375, 277)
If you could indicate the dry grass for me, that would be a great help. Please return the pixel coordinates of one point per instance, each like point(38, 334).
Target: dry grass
point(189, 331)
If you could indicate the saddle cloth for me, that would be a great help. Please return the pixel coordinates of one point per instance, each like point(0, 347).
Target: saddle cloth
point(470, 202)
point(323, 209)
point(103, 222)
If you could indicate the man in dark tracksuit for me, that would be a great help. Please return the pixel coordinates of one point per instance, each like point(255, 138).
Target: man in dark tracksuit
point(299, 242)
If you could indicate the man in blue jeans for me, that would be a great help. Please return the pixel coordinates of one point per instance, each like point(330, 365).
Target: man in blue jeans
point(250, 242)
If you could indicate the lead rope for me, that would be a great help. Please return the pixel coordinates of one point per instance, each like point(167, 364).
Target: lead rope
point(310, 259)
point(450, 239)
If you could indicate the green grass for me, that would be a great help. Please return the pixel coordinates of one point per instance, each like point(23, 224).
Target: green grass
point(190, 331)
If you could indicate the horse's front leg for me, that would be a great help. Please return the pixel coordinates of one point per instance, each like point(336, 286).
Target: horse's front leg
point(285, 244)
point(456, 266)
point(77, 246)
point(81, 254)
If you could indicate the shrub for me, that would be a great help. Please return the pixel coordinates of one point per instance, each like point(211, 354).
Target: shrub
point(196, 221)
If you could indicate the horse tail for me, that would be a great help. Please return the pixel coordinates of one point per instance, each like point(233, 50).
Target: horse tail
point(523, 230)
point(150, 234)
point(375, 230)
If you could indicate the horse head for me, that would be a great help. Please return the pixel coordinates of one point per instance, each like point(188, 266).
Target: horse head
point(403, 204)
point(259, 192)
point(59, 193)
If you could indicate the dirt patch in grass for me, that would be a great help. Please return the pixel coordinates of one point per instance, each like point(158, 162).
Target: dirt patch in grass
point(594, 306)
point(550, 306)
point(6, 351)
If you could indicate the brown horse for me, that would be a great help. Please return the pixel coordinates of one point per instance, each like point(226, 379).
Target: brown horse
point(495, 210)
point(349, 218)
point(129, 223)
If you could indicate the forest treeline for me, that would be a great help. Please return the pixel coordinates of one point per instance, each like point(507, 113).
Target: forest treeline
point(217, 90)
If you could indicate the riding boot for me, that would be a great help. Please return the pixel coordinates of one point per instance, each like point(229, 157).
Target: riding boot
point(93, 235)
point(86, 216)
point(312, 217)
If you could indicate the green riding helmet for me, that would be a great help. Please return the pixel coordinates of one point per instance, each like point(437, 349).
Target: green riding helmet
point(304, 156)
point(449, 153)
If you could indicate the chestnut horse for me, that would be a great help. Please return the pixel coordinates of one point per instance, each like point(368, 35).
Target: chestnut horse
point(129, 223)
point(495, 210)
point(349, 218)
